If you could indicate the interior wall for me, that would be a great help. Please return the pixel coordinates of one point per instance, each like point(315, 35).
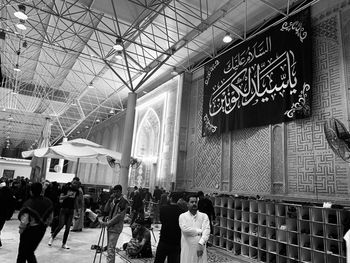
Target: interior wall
point(110, 135)
point(291, 159)
point(313, 168)
point(20, 167)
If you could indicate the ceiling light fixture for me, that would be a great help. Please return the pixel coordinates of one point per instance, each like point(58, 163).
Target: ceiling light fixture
point(118, 44)
point(21, 13)
point(21, 25)
point(16, 68)
point(119, 55)
point(227, 38)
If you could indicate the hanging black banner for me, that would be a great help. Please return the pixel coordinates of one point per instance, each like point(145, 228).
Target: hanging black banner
point(265, 80)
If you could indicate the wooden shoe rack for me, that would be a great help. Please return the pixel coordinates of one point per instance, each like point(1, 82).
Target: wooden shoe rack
point(271, 231)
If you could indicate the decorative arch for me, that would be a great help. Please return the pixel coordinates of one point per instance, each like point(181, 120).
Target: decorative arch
point(147, 137)
point(147, 149)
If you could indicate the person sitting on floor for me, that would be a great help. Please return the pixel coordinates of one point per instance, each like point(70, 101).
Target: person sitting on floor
point(140, 244)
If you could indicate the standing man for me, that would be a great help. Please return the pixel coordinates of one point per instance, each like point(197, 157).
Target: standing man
point(195, 230)
point(36, 214)
point(169, 245)
point(157, 193)
point(137, 207)
point(116, 208)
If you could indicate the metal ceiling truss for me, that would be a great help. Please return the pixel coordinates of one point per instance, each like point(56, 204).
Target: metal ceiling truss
point(248, 34)
point(70, 45)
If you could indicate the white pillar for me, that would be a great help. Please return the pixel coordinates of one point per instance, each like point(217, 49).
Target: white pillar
point(127, 140)
point(48, 163)
point(61, 161)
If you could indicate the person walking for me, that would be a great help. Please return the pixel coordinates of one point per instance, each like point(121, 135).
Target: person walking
point(169, 245)
point(35, 215)
point(68, 199)
point(195, 231)
point(7, 205)
point(116, 208)
point(53, 192)
point(78, 222)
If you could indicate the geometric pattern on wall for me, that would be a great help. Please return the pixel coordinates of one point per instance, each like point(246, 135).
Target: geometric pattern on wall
point(251, 172)
point(312, 168)
point(278, 163)
point(208, 153)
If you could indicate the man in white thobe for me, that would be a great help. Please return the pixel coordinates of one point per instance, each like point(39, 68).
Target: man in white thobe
point(195, 231)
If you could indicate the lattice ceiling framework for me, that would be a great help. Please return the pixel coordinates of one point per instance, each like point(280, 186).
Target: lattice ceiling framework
point(69, 45)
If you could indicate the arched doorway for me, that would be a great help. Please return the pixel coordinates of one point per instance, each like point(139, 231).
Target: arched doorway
point(147, 149)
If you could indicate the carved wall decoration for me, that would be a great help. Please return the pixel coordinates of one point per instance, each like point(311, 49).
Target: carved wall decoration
point(251, 161)
point(208, 154)
point(312, 166)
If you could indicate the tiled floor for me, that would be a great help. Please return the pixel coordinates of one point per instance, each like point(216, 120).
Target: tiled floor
point(79, 243)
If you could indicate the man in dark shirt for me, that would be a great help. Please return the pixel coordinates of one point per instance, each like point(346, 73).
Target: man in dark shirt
point(170, 234)
point(206, 206)
point(137, 207)
point(7, 205)
point(35, 216)
point(157, 193)
point(68, 200)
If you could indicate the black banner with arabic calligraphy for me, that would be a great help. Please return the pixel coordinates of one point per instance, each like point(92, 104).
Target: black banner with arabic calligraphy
point(265, 80)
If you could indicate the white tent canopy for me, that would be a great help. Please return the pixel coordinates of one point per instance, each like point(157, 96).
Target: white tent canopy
point(79, 149)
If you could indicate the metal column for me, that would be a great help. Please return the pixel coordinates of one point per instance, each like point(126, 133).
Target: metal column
point(127, 140)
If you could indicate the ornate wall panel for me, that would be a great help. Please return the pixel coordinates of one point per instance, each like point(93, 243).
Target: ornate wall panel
point(208, 153)
point(312, 166)
point(278, 160)
point(345, 19)
point(251, 161)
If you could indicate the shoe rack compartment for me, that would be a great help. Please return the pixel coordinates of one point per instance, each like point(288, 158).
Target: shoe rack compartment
point(270, 231)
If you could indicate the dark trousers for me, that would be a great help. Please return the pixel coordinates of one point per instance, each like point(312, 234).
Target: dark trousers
point(28, 242)
point(170, 251)
point(2, 222)
point(65, 219)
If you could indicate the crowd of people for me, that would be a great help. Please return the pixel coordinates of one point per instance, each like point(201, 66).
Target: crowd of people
point(186, 219)
point(186, 223)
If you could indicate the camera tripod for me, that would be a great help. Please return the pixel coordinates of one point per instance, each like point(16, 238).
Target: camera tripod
point(99, 248)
